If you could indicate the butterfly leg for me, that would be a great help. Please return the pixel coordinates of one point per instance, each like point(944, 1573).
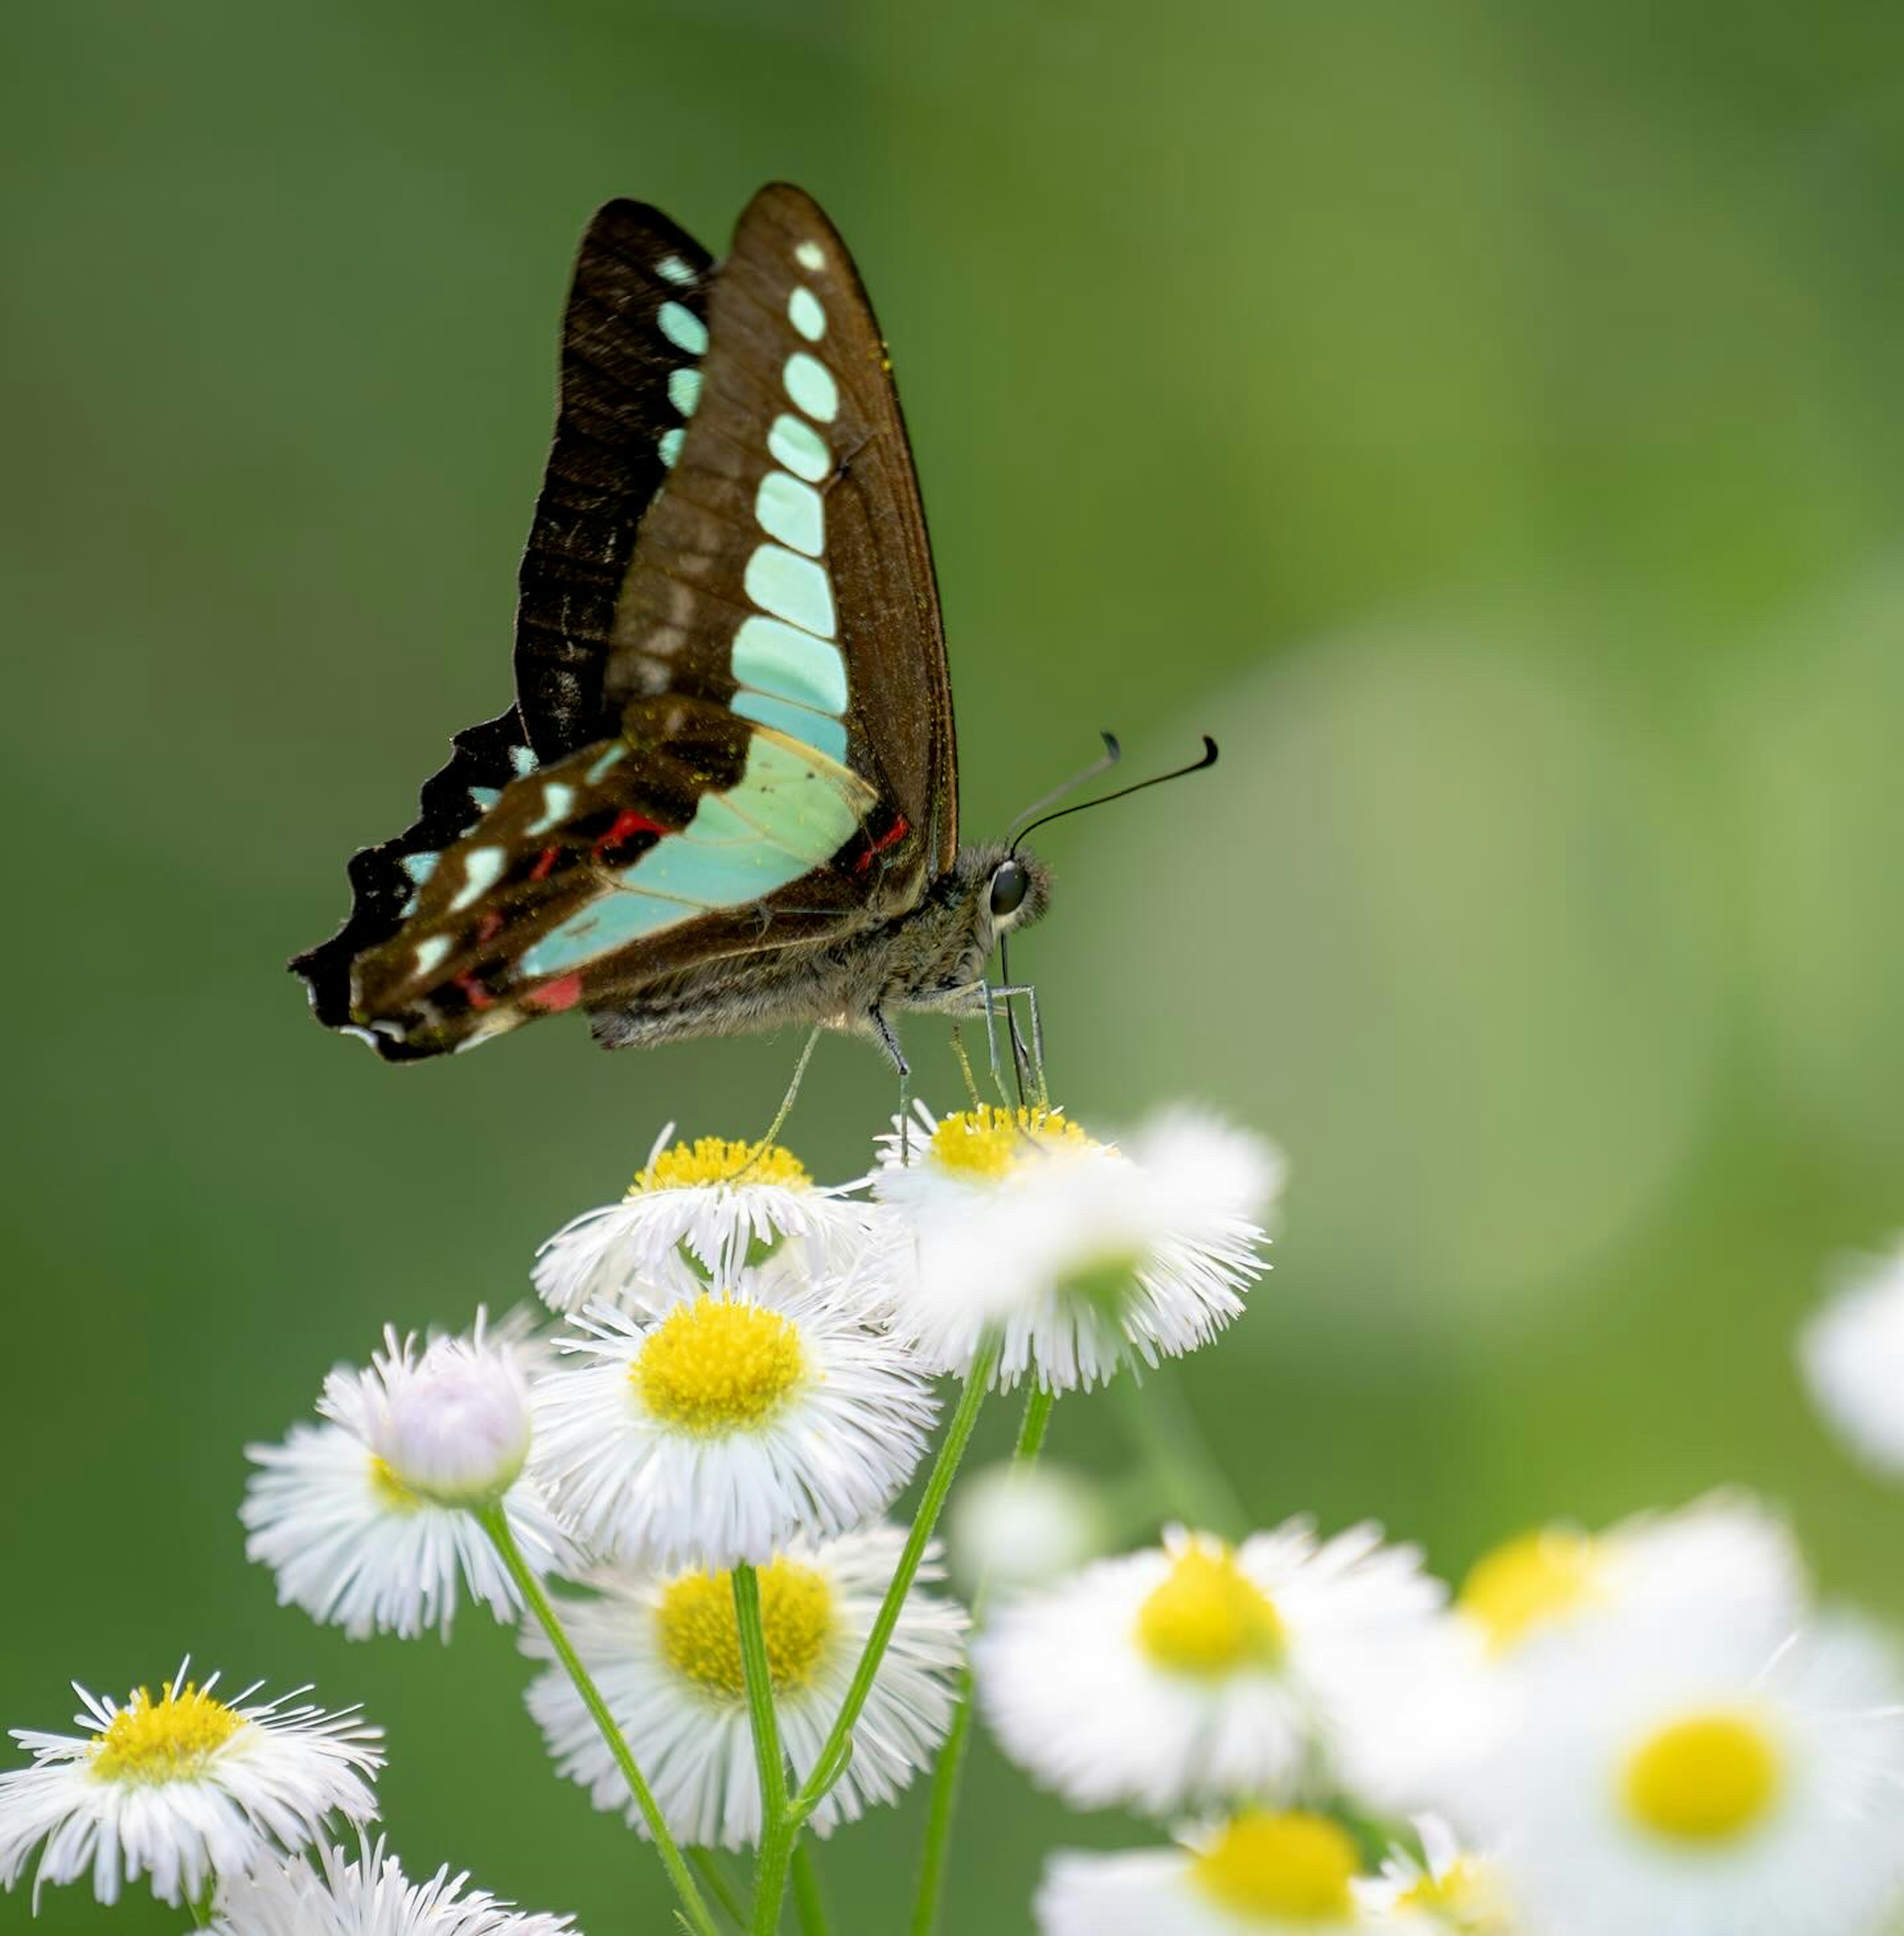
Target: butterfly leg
point(997, 999)
point(888, 1040)
point(786, 1108)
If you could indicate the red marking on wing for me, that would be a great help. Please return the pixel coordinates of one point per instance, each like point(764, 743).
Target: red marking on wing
point(627, 824)
point(489, 926)
point(545, 863)
point(552, 998)
point(897, 832)
point(480, 998)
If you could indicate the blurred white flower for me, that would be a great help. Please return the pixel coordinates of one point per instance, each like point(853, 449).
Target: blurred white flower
point(1259, 1874)
point(1450, 1888)
point(181, 1789)
point(336, 1510)
point(370, 1896)
point(728, 1426)
point(1682, 1776)
point(1015, 1525)
point(696, 1214)
point(1852, 1351)
point(665, 1652)
point(1196, 1674)
point(1084, 1256)
point(1725, 1558)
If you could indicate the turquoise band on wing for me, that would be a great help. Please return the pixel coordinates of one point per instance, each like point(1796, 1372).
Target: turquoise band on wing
point(791, 809)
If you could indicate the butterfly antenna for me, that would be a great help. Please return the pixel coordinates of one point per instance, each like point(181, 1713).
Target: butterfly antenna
point(1207, 758)
point(1034, 816)
point(1103, 763)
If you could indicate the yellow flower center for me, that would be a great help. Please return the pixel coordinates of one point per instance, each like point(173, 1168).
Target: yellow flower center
point(1703, 1779)
point(700, 1637)
point(170, 1739)
point(1524, 1583)
point(1467, 1894)
point(391, 1493)
point(987, 1143)
point(711, 1160)
point(1294, 1867)
point(1207, 1616)
point(711, 1366)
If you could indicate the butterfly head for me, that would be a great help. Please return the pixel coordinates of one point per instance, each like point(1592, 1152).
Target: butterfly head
point(1018, 892)
point(1003, 888)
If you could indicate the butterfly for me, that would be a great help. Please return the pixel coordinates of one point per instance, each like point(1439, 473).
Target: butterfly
point(725, 797)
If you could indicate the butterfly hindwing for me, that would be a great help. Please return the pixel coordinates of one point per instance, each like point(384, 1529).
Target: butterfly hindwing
point(614, 867)
point(386, 880)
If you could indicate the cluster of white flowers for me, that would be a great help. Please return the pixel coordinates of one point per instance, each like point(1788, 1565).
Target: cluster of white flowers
point(1649, 1729)
point(738, 1374)
point(674, 1481)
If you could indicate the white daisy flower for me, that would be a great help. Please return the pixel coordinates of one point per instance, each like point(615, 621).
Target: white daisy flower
point(1450, 1888)
point(697, 1213)
point(1259, 1874)
point(1852, 1351)
point(340, 1512)
point(731, 1424)
point(1084, 1256)
point(1015, 1525)
point(665, 1651)
point(1677, 1777)
point(1723, 1557)
point(181, 1788)
point(1197, 1675)
point(370, 1896)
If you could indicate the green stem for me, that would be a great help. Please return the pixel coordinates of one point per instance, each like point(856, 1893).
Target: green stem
point(837, 1750)
point(776, 1846)
point(493, 1521)
point(807, 1899)
point(944, 1800)
point(831, 1762)
point(1165, 1430)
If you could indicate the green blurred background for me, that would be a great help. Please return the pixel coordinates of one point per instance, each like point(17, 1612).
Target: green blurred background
point(1485, 418)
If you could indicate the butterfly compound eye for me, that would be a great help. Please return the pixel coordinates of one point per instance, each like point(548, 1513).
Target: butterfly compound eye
point(1009, 887)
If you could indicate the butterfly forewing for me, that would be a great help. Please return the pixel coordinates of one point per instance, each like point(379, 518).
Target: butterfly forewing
point(606, 870)
point(632, 339)
point(786, 569)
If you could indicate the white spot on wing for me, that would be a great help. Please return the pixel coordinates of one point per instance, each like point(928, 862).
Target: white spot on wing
point(675, 271)
point(430, 954)
point(483, 868)
point(682, 328)
point(793, 587)
point(557, 798)
point(804, 313)
point(685, 390)
point(810, 383)
point(794, 442)
point(787, 509)
point(810, 256)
